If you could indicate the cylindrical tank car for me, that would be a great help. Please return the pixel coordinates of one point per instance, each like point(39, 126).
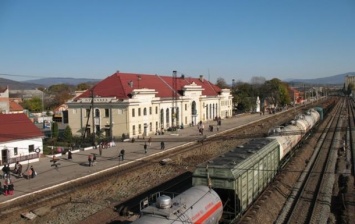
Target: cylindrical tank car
point(198, 204)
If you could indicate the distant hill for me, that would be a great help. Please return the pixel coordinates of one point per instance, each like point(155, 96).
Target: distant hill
point(54, 81)
point(334, 80)
point(14, 85)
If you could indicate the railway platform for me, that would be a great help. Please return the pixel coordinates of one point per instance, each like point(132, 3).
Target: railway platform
point(49, 176)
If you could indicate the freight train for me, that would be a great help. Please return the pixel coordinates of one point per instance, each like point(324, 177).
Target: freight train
point(237, 178)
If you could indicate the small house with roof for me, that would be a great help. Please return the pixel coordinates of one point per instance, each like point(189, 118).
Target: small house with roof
point(20, 139)
point(142, 104)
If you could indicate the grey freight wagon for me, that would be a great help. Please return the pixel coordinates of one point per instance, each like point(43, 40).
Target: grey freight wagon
point(241, 174)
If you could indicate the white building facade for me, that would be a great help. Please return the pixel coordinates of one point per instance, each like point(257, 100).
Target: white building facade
point(147, 107)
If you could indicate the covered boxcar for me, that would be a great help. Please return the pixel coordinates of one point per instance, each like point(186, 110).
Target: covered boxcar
point(240, 175)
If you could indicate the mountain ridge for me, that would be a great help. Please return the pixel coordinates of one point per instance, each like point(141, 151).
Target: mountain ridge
point(46, 82)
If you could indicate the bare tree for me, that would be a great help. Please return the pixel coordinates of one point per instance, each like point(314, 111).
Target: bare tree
point(257, 80)
point(221, 83)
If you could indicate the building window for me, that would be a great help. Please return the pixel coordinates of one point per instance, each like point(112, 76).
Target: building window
point(150, 126)
point(133, 129)
point(156, 110)
point(150, 110)
point(193, 108)
point(107, 112)
point(87, 114)
point(185, 106)
point(139, 129)
point(167, 117)
point(162, 117)
point(139, 112)
point(97, 113)
point(15, 151)
point(133, 113)
point(31, 148)
point(145, 111)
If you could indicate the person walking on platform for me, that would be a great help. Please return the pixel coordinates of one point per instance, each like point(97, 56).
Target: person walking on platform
point(162, 145)
point(19, 170)
point(16, 167)
point(89, 160)
point(100, 150)
point(150, 141)
point(33, 173)
point(94, 159)
point(122, 154)
point(70, 155)
point(145, 147)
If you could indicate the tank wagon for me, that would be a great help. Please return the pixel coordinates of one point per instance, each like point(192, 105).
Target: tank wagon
point(198, 204)
point(290, 135)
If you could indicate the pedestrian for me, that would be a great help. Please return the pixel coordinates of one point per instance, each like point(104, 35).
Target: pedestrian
point(19, 170)
point(4, 173)
point(150, 141)
point(89, 160)
point(5, 189)
point(16, 167)
point(94, 159)
point(9, 186)
point(100, 150)
point(122, 154)
point(70, 155)
point(162, 145)
point(29, 173)
point(145, 147)
point(33, 173)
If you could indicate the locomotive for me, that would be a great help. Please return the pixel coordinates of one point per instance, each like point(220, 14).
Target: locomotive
point(237, 178)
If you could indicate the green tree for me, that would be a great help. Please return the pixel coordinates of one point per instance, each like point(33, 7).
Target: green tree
point(59, 93)
point(55, 130)
point(68, 135)
point(83, 86)
point(34, 104)
point(276, 92)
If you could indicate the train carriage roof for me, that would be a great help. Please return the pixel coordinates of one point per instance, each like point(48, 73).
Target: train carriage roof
point(237, 160)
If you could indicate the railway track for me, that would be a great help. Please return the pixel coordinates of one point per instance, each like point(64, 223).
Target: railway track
point(62, 194)
point(311, 199)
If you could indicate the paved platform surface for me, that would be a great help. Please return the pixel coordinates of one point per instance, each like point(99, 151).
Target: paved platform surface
point(49, 176)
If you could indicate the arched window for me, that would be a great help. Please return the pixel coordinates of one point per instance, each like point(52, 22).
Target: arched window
point(97, 112)
point(162, 117)
point(167, 118)
point(193, 108)
point(177, 115)
point(207, 112)
point(210, 111)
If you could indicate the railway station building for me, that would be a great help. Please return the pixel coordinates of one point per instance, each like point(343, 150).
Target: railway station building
point(137, 105)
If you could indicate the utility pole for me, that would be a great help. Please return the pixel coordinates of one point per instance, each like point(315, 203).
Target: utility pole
point(93, 117)
point(174, 103)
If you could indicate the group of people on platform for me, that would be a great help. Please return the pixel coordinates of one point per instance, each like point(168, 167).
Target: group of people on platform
point(7, 187)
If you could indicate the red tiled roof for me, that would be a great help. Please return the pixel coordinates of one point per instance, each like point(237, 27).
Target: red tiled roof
point(17, 127)
point(15, 106)
point(118, 85)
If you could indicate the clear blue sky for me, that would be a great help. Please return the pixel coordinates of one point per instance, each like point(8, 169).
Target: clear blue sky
point(233, 39)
